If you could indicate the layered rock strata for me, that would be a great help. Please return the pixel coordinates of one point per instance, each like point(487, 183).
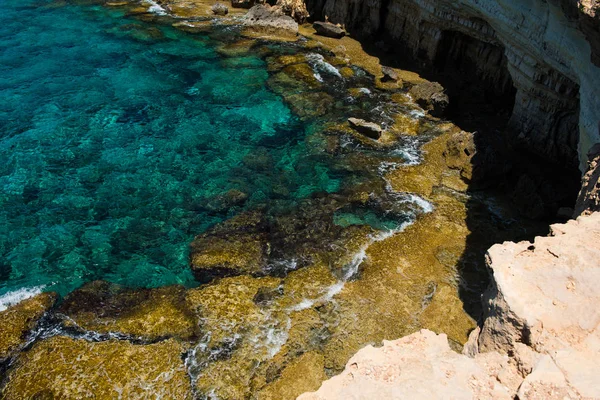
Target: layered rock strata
point(540, 338)
point(547, 50)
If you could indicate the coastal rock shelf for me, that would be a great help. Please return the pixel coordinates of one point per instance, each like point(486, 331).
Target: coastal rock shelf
point(230, 204)
point(540, 338)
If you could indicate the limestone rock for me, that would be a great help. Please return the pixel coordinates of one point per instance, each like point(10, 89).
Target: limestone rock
point(589, 196)
point(544, 295)
point(419, 366)
point(61, 367)
point(270, 19)
point(295, 9)
point(509, 46)
point(430, 96)
point(329, 30)
point(369, 129)
point(219, 9)
point(19, 319)
point(389, 75)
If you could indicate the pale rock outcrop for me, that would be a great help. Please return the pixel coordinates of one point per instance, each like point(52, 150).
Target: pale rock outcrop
point(419, 366)
point(540, 338)
point(546, 49)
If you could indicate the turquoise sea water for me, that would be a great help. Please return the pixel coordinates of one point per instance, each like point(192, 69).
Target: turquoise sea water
point(117, 139)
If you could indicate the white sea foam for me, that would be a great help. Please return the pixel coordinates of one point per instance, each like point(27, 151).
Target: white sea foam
point(155, 8)
point(318, 63)
point(16, 296)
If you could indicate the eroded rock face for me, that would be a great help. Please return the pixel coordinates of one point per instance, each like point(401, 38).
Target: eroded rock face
point(535, 46)
point(19, 320)
point(61, 367)
point(589, 196)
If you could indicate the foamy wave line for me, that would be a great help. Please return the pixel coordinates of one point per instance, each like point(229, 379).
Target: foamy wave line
point(16, 296)
point(155, 8)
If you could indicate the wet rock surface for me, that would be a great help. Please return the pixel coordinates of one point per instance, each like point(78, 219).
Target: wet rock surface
point(145, 314)
point(67, 368)
point(19, 320)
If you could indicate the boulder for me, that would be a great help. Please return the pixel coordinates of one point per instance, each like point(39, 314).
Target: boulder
point(220, 9)
point(389, 75)
point(369, 129)
point(266, 18)
point(431, 97)
point(295, 9)
point(329, 30)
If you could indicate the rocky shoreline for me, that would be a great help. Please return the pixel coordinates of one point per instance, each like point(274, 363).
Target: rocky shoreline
point(278, 334)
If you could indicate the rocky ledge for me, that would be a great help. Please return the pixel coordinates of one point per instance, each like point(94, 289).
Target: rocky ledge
point(540, 338)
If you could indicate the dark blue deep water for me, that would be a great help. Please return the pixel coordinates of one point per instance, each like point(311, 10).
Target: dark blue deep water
point(117, 139)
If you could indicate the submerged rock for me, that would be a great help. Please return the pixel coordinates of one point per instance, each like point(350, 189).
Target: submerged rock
point(149, 314)
point(431, 97)
point(369, 129)
point(220, 9)
point(329, 30)
point(20, 319)
point(66, 368)
point(237, 246)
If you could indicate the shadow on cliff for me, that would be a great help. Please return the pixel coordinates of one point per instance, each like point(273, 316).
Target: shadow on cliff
point(513, 193)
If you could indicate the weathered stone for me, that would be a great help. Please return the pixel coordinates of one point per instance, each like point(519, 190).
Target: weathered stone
point(149, 314)
point(270, 20)
point(431, 96)
point(61, 367)
point(20, 319)
point(369, 129)
point(419, 366)
point(220, 9)
point(389, 75)
point(295, 9)
point(589, 196)
point(329, 30)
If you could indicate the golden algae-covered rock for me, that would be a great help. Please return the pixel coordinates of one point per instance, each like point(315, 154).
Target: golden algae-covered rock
point(236, 246)
point(146, 313)
point(19, 319)
point(66, 368)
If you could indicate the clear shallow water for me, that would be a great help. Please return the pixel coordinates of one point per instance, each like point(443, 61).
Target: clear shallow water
point(117, 138)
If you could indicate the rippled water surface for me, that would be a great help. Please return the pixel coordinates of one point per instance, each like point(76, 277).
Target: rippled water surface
point(118, 141)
